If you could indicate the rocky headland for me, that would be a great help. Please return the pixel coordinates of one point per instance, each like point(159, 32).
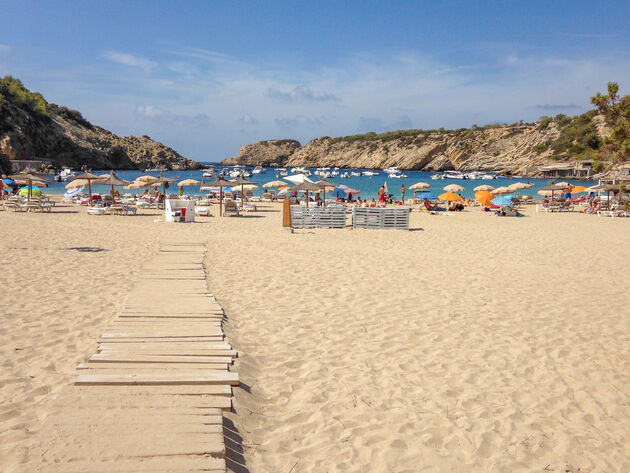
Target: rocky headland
point(515, 149)
point(31, 128)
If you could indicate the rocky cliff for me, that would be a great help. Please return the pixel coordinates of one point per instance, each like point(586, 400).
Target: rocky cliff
point(503, 148)
point(31, 128)
point(264, 153)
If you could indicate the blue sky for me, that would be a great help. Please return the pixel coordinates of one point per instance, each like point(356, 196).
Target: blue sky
point(207, 77)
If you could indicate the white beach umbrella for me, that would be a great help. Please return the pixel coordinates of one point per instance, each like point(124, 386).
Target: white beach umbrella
point(298, 178)
point(420, 185)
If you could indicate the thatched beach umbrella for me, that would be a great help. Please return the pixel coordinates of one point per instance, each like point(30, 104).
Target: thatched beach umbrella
point(274, 184)
point(86, 177)
point(326, 186)
point(552, 188)
point(220, 183)
point(453, 188)
point(420, 185)
point(164, 181)
point(29, 177)
point(519, 185)
point(242, 183)
point(484, 187)
point(308, 187)
point(188, 182)
point(501, 190)
point(111, 179)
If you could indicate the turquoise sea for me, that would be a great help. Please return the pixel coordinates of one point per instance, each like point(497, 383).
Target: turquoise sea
point(368, 186)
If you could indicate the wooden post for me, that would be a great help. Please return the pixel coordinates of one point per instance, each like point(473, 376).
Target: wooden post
point(286, 213)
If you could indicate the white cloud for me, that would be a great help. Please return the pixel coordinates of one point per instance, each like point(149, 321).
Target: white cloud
point(4, 48)
point(149, 111)
point(127, 59)
point(172, 100)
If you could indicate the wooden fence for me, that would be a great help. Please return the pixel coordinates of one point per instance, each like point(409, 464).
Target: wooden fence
point(378, 218)
point(318, 217)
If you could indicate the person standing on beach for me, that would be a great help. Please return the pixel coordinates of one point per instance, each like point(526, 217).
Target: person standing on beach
point(402, 192)
point(381, 195)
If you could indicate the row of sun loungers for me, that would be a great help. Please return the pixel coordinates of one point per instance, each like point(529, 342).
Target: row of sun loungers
point(36, 204)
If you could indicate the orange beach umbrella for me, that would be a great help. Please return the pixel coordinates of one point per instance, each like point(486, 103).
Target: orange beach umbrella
point(578, 190)
point(484, 198)
point(450, 197)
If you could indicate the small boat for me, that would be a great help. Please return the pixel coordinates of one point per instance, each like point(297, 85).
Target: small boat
point(64, 175)
point(155, 170)
point(356, 174)
point(454, 175)
point(437, 177)
point(208, 172)
point(258, 170)
point(397, 175)
point(345, 175)
point(370, 173)
point(391, 169)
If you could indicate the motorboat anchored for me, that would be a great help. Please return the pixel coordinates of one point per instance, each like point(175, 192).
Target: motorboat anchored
point(397, 175)
point(258, 170)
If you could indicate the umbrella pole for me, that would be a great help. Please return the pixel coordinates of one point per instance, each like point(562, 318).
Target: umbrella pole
point(30, 190)
point(113, 193)
point(307, 199)
point(220, 201)
point(90, 189)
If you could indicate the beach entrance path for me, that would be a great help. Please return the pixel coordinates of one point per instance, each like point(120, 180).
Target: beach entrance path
point(151, 398)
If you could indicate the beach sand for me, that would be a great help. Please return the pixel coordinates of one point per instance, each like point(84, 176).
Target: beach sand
point(472, 343)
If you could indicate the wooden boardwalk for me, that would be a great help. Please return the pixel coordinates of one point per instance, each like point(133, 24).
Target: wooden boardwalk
point(151, 398)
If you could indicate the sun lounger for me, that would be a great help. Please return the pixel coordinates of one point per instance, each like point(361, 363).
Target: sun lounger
point(97, 211)
point(13, 205)
point(230, 208)
point(35, 206)
point(202, 210)
point(248, 207)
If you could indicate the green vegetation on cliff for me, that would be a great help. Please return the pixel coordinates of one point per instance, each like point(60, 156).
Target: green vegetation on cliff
point(616, 109)
point(578, 137)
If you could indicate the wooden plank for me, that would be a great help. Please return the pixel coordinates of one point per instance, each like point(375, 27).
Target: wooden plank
point(140, 333)
point(172, 316)
point(170, 351)
point(112, 430)
point(134, 367)
point(168, 391)
point(160, 345)
point(162, 340)
point(160, 464)
point(181, 377)
point(113, 402)
point(121, 358)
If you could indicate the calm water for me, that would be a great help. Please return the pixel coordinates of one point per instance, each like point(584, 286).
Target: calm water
point(368, 186)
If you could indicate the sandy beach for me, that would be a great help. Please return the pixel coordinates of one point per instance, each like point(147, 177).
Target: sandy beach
point(471, 343)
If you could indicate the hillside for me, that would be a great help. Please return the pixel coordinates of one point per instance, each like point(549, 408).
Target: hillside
point(32, 128)
point(505, 148)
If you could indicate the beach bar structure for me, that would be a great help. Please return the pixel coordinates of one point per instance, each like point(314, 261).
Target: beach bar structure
point(575, 170)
